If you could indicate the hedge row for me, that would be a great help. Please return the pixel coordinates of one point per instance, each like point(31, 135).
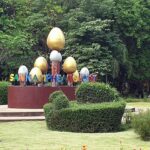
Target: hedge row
point(96, 93)
point(102, 117)
point(3, 92)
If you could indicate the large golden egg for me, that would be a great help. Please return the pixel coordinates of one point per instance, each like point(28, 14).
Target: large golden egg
point(42, 64)
point(36, 75)
point(56, 39)
point(76, 76)
point(70, 65)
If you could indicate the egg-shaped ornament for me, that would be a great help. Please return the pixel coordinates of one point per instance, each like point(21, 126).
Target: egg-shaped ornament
point(23, 70)
point(56, 39)
point(36, 75)
point(70, 65)
point(55, 56)
point(84, 72)
point(76, 76)
point(41, 63)
point(22, 73)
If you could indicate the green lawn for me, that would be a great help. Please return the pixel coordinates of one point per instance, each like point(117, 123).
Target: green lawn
point(34, 135)
point(139, 104)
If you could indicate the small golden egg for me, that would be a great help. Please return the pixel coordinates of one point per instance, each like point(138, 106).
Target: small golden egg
point(42, 64)
point(36, 75)
point(70, 65)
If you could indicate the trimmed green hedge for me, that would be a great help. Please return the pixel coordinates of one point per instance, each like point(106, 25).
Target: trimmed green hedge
point(96, 93)
point(61, 101)
point(54, 95)
point(3, 92)
point(102, 117)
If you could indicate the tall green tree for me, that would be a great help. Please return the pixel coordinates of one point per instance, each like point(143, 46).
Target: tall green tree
point(25, 25)
point(92, 39)
point(133, 26)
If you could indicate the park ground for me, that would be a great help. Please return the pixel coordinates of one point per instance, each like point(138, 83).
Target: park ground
point(34, 135)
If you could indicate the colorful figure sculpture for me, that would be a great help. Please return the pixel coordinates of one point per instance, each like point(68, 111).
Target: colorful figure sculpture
point(55, 58)
point(36, 75)
point(84, 74)
point(56, 42)
point(69, 67)
point(22, 73)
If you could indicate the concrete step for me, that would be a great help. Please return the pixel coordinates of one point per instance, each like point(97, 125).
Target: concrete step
point(13, 114)
point(20, 114)
point(27, 118)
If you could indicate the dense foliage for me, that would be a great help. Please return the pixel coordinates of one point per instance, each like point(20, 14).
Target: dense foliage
point(103, 117)
point(24, 27)
point(3, 92)
point(60, 102)
point(54, 95)
point(110, 37)
point(96, 93)
point(141, 125)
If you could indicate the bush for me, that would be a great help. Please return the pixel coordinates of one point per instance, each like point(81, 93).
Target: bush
point(100, 117)
point(61, 101)
point(141, 125)
point(96, 92)
point(3, 92)
point(54, 95)
point(48, 110)
point(58, 100)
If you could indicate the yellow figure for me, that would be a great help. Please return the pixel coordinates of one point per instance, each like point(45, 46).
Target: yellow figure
point(76, 76)
point(11, 77)
point(44, 77)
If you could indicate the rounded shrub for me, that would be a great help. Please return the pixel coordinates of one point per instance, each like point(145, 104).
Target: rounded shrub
point(141, 125)
point(3, 92)
point(54, 95)
point(100, 117)
point(61, 101)
point(96, 92)
point(58, 100)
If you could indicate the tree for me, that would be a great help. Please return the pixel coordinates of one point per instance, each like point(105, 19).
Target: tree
point(92, 39)
point(24, 28)
point(133, 26)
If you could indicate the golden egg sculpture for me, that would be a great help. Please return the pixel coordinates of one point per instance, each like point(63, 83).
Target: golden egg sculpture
point(56, 39)
point(36, 75)
point(41, 63)
point(76, 76)
point(70, 65)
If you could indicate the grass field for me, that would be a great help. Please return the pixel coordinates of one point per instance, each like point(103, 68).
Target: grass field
point(34, 135)
point(139, 104)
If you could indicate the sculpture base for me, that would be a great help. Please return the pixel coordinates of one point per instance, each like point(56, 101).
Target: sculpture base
point(33, 96)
